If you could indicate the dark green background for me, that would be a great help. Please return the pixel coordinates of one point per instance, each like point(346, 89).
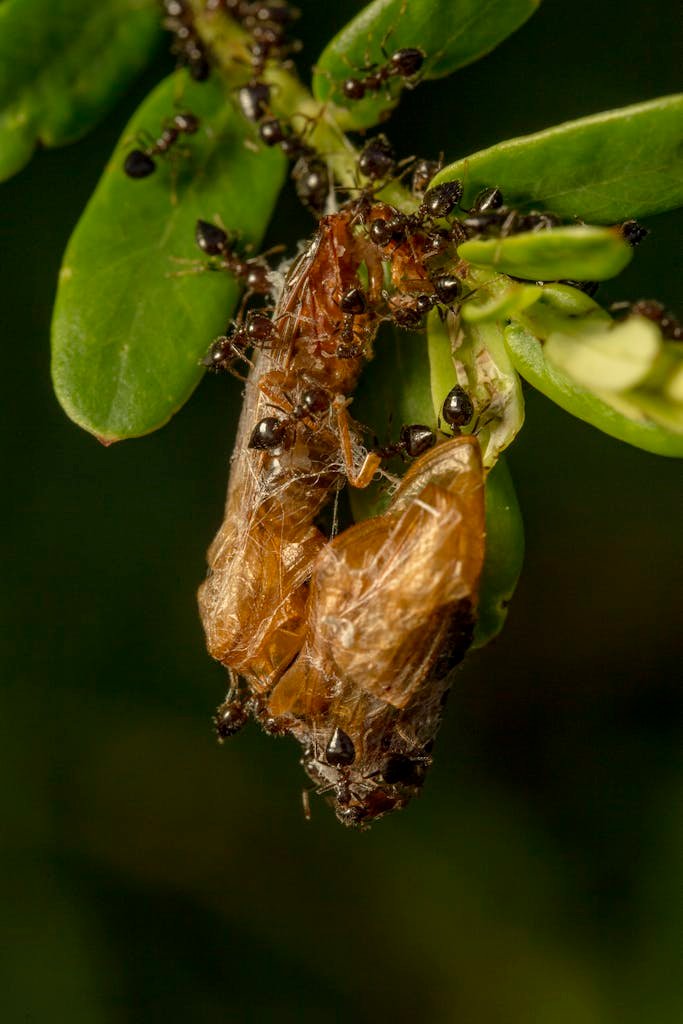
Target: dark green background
point(151, 875)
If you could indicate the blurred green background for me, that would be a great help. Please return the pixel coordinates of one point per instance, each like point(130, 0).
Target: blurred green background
point(150, 875)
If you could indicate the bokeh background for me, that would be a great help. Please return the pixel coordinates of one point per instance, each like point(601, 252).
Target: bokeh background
point(150, 875)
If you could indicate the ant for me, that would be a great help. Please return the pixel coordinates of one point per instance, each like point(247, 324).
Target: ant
point(272, 432)
point(423, 172)
point(353, 303)
point(651, 309)
point(414, 440)
point(633, 232)
point(447, 288)
point(438, 202)
point(253, 99)
point(214, 241)
point(232, 346)
point(411, 309)
point(377, 159)
point(140, 162)
point(186, 44)
point(404, 63)
point(230, 717)
point(457, 409)
point(490, 215)
point(312, 181)
point(267, 24)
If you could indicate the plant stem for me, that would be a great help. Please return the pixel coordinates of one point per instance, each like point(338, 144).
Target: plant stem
point(290, 100)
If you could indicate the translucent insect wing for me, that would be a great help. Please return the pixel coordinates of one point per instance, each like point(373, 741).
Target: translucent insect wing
point(385, 592)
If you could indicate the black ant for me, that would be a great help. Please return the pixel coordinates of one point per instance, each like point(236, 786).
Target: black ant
point(437, 203)
point(214, 241)
point(404, 63)
point(411, 309)
point(272, 432)
point(140, 162)
point(310, 174)
point(186, 44)
point(253, 99)
point(651, 309)
point(353, 303)
point(414, 439)
point(633, 232)
point(312, 182)
point(230, 717)
point(267, 24)
point(423, 172)
point(447, 288)
point(457, 409)
point(377, 159)
point(232, 347)
point(490, 216)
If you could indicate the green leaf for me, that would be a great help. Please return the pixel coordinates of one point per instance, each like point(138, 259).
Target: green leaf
point(474, 356)
point(560, 307)
point(617, 164)
point(128, 336)
point(620, 416)
point(496, 297)
point(504, 554)
point(616, 359)
point(63, 65)
point(452, 33)
point(580, 253)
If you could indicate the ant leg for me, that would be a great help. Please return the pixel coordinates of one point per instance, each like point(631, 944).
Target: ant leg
point(371, 462)
point(194, 266)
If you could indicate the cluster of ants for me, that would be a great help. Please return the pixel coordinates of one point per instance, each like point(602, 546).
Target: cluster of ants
point(267, 23)
point(437, 287)
point(369, 262)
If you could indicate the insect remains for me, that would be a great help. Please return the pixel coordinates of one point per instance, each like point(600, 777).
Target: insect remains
point(346, 641)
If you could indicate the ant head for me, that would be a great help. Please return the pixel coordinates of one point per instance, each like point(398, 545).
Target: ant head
point(353, 301)
point(271, 132)
point(423, 172)
point(377, 159)
point(211, 239)
point(138, 164)
point(633, 232)
point(230, 717)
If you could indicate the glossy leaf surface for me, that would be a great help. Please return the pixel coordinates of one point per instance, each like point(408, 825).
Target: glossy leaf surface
point(64, 65)
point(451, 33)
point(605, 168)
point(127, 336)
point(621, 418)
point(578, 253)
